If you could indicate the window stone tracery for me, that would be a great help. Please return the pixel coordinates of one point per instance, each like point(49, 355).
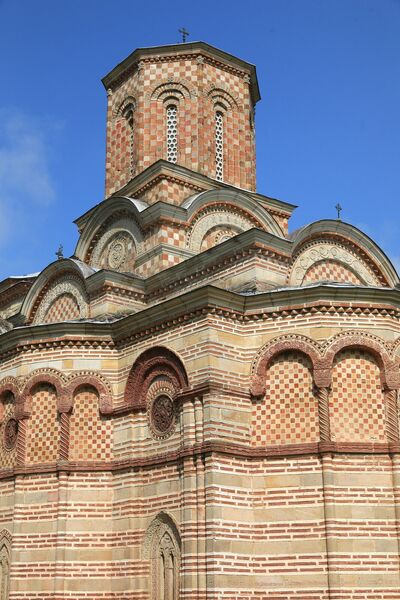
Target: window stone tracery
point(5, 538)
point(172, 132)
point(219, 146)
point(162, 547)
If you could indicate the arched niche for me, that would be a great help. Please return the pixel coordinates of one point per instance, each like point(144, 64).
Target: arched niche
point(162, 547)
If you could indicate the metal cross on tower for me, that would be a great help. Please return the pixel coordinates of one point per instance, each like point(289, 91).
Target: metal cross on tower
point(184, 34)
point(339, 210)
point(60, 253)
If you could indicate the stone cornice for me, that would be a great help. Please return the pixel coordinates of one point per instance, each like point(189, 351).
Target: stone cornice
point(239, 451)
point(251, 242)
point(173, 52)
point(328, 300)
point(197, 181)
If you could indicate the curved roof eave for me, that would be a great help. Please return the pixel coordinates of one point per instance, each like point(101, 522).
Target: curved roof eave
point(55, 268)
point(241, 200)
point(103, 211)
point(360, 238)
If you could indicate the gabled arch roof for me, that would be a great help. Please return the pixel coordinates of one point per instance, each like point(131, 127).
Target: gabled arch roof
point(102, 212)
point(236, 198)
point(54, 270)
point(351, 234)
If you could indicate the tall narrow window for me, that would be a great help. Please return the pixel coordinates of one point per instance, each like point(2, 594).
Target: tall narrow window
point(164, 547)
point(4, 573)
point(128, 114)
point(172, 136)
point(219, 146)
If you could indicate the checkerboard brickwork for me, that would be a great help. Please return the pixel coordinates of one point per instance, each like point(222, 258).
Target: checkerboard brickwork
point(196, 83)
point(158, 263)
point(43, 426)
point(356, 403)
point(330, 270)
point(288, 414)
point(7, 457)
point(64, 308)
point(89, 433)
point(166, 234)
point(166, 191)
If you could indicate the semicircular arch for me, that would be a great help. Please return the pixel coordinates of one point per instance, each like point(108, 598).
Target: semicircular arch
point(277, 346)
point(349, 246)
point(117, 209)
point(153, 363)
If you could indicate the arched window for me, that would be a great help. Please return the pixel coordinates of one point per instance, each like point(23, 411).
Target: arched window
point(167, 584)
point(172, 132)
point(4, 571)
point(219, 146)
point(128, 114)
point(163, 548)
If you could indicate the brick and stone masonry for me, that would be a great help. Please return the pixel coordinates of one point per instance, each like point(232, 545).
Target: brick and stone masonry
point(198, 405)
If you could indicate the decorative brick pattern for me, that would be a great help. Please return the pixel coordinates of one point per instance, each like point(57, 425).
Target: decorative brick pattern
point(7, 457)
point(90, 434)
point(119, 253)
point(288, 414)
point(167, 189)
point(158, 263)
point(43, 426)
point(64, 308)
point(197, 85)
point(330, 270)
point(356, 403)
point(217, 236)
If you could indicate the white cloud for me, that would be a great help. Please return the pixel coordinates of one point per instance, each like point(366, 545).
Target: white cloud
point(25, 179)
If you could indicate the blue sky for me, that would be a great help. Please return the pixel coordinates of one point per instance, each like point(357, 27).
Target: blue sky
point(327, 127)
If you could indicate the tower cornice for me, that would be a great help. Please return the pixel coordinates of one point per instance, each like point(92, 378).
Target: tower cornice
point(169, 52)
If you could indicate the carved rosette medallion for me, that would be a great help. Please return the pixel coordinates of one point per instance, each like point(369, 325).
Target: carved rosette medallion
point(162, 416)
point(117, 253)
point(10, 434)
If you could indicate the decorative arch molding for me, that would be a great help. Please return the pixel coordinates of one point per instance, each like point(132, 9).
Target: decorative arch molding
point(69, 270)
point(42, 377)
point(162, 546)
point(96, 381)
point(395, 351)
point(5, 538)
point(353, 240)
point(327, 250)
point(69, 285)
point(117, 209)
point(389, 372)
point(161, 521)
point(229, 202)
point(9, 385)
point(178, 89)
point(297, 343)
point(157, 362)
point(218, 216)
point(128, 102)
point(322, 357)
point(223, 94)
point(5, 560)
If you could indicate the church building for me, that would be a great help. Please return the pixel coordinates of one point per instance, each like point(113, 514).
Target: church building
point(199, 404)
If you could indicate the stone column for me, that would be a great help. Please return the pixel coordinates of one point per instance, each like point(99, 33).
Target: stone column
point(391, 418)
point(322, 380)
point(392, 433)
point(63, 446)
point(322, 394)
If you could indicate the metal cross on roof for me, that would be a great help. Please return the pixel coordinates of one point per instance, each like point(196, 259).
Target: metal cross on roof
point(60, 252)
point(184, 34)
point(339, 210)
